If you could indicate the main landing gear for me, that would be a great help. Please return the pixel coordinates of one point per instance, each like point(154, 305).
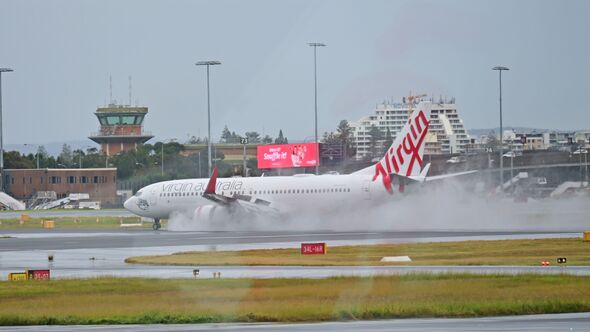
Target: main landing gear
point(157, 225)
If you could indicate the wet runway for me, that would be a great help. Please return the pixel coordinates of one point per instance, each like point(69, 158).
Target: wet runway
point(84, 253)
point(556, 322)
point(57, 239)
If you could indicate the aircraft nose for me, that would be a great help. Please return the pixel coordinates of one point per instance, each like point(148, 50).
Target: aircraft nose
point(129, 204)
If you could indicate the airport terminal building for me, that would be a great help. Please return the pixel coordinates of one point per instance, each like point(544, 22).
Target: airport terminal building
point(99, 183)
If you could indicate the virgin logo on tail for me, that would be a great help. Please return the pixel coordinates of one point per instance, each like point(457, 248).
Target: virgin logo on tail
point(404, 157)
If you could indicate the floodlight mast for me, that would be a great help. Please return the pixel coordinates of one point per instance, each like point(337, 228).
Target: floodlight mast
point(2, 70)
point(315, 81)
point(500, 69)
point(208, 63)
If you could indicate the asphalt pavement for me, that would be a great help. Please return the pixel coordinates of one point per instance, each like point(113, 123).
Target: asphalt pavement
point(58, 239)
point(555, 322)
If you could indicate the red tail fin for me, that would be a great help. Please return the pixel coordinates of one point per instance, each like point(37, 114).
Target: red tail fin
point(212, 182)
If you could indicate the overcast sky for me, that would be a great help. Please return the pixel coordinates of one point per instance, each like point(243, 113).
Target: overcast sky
point(64, 51)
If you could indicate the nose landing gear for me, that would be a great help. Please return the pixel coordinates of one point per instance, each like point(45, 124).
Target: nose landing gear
point(157, 225)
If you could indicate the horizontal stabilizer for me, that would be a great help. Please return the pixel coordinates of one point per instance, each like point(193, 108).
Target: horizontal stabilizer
point(446, 176)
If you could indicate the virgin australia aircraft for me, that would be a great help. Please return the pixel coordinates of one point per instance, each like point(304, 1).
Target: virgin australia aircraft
point(237, 198)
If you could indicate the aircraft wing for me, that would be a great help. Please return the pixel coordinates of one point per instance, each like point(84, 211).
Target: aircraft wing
point(235, 203)
point(423, 178)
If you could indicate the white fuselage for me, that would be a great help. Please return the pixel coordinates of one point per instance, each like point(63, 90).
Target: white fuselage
point(286, 194)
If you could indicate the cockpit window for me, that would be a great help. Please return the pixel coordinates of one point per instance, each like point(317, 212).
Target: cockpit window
point(138, 194)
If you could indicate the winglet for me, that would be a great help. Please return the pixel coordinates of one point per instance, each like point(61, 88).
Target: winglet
point(424, 172)
point(212, 182)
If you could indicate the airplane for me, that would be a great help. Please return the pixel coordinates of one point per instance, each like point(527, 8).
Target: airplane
point(240, 198)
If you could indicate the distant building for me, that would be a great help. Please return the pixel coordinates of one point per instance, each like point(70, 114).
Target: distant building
point(557, 139)
point(447, 132)
point(531, 141)
point(121, 128)
point(583, 138)
point(233, 154)
point(99, 183)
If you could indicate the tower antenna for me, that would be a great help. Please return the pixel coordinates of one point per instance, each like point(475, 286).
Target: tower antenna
point(110, 89)
point(130, 91)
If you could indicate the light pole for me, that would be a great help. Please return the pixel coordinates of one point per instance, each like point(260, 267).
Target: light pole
point(244, 142)
point(500, 69)
point(2, 70)
point(511, 155)
point(162, 153)
point(315, 81)
point(80, 152)
point(581, 151)
point(199, 164)
point(208, 63)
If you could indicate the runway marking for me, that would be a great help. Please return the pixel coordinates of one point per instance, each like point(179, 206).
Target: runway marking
point(286, 235)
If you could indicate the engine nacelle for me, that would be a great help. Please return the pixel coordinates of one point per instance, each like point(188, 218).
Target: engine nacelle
point(212, 213)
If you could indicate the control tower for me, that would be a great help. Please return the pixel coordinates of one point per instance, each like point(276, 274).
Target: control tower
point(121, 128)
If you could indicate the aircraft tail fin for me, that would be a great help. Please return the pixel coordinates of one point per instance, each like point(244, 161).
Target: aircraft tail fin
point(405, 156)
point(212, 182)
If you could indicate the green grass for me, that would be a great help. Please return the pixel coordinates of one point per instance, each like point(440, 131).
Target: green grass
point(72, 222)
point(501, 252)
point(134, 300)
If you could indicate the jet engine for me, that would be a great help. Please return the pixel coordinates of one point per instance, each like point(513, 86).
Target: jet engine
point(212, 213)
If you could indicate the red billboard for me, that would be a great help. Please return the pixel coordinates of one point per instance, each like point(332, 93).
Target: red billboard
point(287, 155)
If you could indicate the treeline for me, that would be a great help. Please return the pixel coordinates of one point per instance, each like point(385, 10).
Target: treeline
point(253, 137)
point(145, 164)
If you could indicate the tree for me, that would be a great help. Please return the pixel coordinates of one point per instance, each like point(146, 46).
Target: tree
point(492, 142)
point(194, 140)
point(226, 135)
point(343, 131)
point(331, 138)
point(281, 139)
point(344, 134)
point(388, 139)
point(65, 157)
point(267, 139)
point(235, 138)
point(42, 152)
point(376, 137)
point(14, 160)
point(253, 137)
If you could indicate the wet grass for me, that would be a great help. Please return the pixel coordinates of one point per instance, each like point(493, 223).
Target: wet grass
point(500, 252)
point(135, 300)
point(72, 222)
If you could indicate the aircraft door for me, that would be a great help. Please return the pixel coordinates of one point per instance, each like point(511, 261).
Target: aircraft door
point(153, 197)
point(366, 189)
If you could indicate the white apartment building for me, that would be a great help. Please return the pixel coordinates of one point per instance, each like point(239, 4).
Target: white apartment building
point(447, 133)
